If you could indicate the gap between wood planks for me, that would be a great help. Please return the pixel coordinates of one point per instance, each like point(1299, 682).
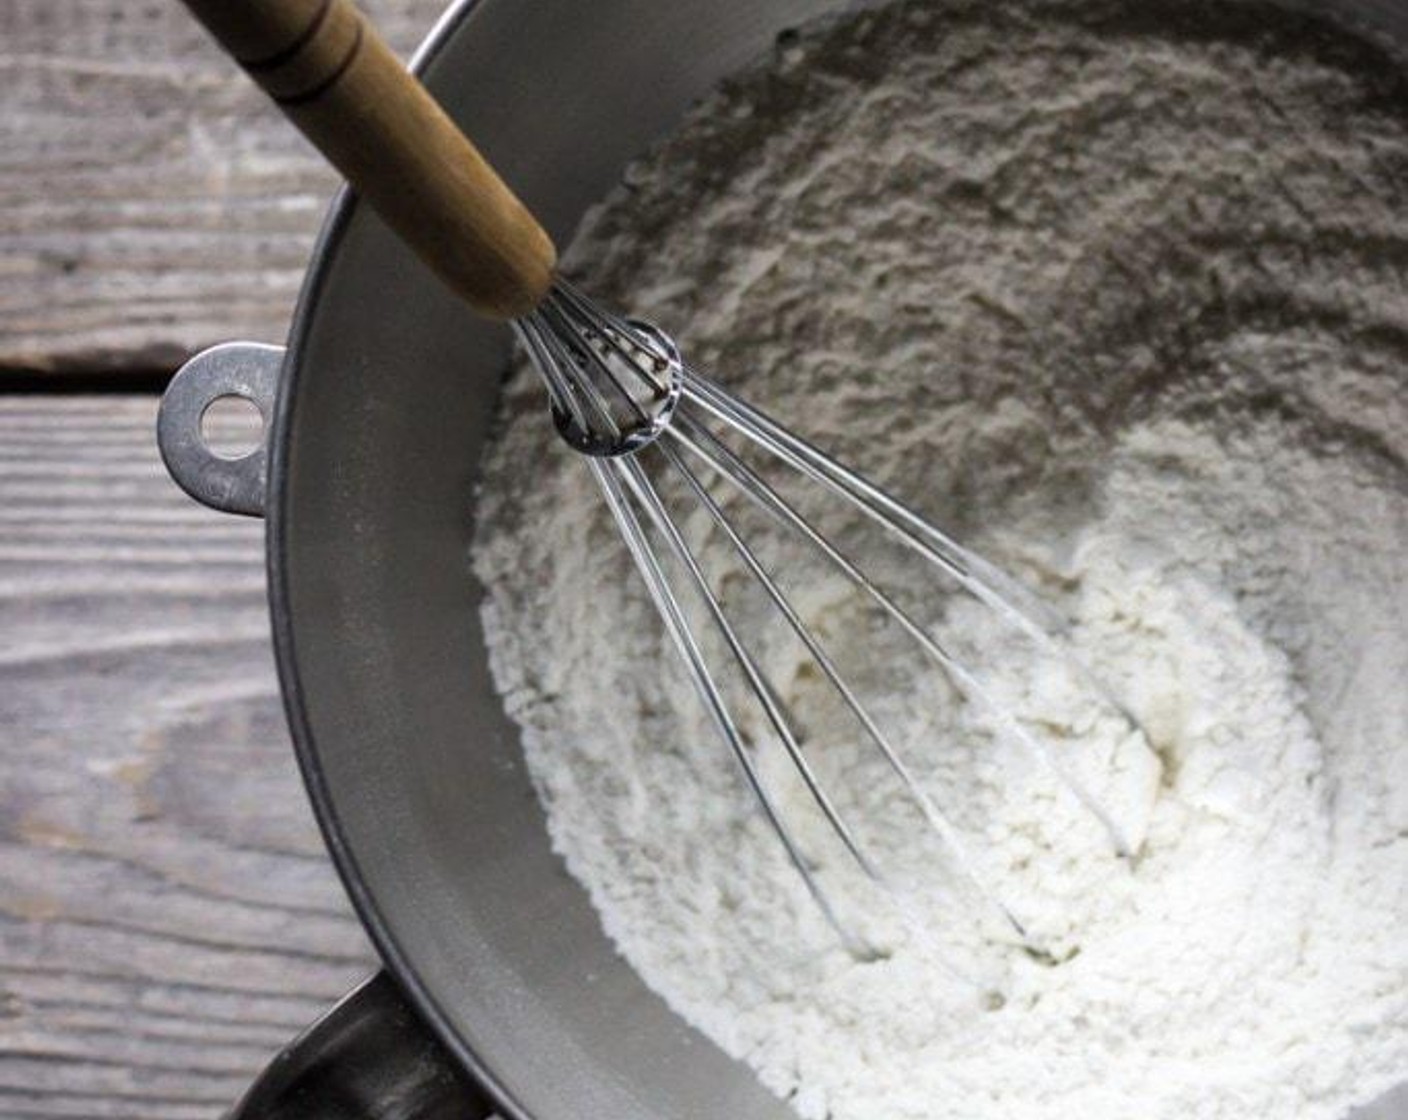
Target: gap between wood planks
point(151, 201)
point(137, 380)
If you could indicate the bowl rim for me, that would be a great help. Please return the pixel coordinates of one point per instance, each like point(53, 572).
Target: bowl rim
point(337, 220)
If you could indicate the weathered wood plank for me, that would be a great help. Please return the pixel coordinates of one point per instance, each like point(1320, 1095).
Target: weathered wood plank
point(168, 916)
point(150, 201)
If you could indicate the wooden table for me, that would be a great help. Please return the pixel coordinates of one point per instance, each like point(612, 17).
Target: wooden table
point(168, 916)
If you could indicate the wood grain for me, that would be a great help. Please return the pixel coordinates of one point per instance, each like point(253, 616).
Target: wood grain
point(168, 916)
point(151, 201)
point(333, 75)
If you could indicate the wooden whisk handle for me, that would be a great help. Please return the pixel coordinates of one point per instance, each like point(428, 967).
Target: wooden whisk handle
point(337, 80)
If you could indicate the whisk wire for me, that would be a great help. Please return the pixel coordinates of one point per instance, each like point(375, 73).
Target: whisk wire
point(1025, 612)
point(671, 613)
point(765, 695)
point(586, 357)
point(885, 510)
point(559, 393)
point(722, 460)
point(610, 473)
point(611, 329)
point(731, 467)
point(593, 371)
point(586, 353)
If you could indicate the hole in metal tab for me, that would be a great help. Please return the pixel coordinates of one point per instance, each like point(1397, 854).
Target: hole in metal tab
point(232, 426)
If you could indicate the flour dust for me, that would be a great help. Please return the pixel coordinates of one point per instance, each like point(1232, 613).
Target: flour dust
point(1117, 293)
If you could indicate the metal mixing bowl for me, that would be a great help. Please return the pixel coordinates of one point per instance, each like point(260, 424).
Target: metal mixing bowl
point(377, 416)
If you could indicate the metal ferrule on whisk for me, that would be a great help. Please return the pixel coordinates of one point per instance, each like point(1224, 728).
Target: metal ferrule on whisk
point(613, 383)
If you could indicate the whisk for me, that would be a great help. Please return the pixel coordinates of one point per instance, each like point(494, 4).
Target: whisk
point(620, 391)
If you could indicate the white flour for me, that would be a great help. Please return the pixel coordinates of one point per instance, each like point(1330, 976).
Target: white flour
point(1121, 300)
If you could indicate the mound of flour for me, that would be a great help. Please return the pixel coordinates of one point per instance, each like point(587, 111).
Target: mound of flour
point(1121, 298)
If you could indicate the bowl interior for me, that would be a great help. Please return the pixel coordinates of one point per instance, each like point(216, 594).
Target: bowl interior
point(414, 769)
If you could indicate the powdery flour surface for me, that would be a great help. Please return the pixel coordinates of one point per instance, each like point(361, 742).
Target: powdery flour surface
point(1120, 299)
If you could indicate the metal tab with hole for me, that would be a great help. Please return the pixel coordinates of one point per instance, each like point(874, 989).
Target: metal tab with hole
point(247, 370)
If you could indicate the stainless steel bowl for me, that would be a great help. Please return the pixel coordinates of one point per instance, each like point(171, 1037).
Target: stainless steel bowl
point(378, 412)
